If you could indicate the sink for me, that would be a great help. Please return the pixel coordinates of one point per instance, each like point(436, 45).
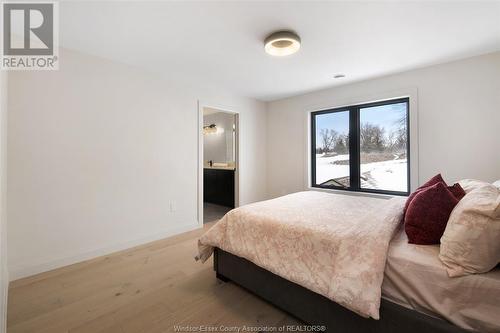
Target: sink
point(219, 165)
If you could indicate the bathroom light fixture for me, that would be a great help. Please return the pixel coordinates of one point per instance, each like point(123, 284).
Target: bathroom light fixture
point(212, 129)
point(282, 43)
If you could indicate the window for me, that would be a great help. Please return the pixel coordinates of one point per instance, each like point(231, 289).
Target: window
point(362, 148)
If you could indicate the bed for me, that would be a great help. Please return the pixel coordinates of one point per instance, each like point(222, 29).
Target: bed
point(322, 257)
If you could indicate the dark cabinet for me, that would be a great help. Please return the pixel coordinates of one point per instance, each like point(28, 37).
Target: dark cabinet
point(218, 187)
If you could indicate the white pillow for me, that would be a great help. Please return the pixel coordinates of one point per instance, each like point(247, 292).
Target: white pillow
point(497, 183)
point(471, 241)
point(471, 184)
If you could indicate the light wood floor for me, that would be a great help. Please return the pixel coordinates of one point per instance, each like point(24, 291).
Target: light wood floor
point(149, 288)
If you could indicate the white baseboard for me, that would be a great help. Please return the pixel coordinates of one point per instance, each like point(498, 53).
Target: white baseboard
point(21, 271)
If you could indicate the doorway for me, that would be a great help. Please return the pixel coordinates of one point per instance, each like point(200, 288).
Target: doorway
point(218, 162)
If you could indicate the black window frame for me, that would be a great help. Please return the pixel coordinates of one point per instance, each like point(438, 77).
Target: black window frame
point(354, 146)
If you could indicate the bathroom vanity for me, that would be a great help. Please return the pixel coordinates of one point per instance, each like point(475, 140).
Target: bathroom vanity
point(218, 185)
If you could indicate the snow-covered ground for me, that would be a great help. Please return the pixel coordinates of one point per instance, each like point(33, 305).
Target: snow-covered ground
point(325, 170)
point(387, 175)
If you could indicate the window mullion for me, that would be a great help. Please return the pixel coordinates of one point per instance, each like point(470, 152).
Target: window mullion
point(313, 149)
point(354, 163)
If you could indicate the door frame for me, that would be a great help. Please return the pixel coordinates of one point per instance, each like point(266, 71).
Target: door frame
point(226, 109)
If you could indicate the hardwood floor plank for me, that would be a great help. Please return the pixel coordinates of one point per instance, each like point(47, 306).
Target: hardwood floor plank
point(149, 288)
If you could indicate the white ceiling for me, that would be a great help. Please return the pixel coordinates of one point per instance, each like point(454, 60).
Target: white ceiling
point(222, 42)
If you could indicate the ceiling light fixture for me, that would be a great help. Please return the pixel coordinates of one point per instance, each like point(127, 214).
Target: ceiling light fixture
point(282, 43)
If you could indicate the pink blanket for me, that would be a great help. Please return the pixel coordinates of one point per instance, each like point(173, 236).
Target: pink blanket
point(333, 244)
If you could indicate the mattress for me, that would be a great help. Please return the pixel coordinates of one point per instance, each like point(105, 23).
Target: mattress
point(415, 278)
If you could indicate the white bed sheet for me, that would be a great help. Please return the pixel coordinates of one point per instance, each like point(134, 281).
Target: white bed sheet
point(415, 278)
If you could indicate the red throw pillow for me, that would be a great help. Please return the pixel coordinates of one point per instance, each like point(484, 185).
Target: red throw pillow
point(428, 214)
point(456, 189)
point(434, 180)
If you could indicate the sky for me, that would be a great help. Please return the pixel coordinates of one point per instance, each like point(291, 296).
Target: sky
point(385, 116)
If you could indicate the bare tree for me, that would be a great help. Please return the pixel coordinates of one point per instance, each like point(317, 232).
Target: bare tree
point(371, 137)
point(401, 134)
point(328, 138)
point(341, 144)
point(391, 141)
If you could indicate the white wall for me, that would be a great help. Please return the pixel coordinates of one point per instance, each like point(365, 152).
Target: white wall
point(218, 147)
point(98, 150)
point(4, 274)
point(458, 125)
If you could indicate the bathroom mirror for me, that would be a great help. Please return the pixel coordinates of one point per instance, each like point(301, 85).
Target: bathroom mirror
point(218, 136)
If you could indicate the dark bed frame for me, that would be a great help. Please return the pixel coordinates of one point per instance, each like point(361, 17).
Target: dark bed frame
point(315, 309)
